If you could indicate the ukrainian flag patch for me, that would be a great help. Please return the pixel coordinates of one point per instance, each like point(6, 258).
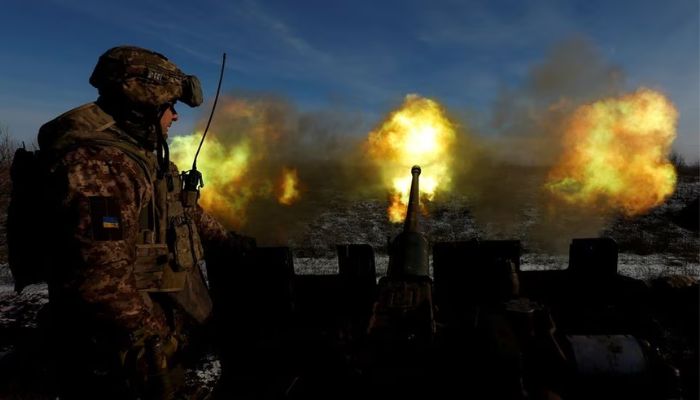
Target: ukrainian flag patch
point(110, 222)
point(105, 218)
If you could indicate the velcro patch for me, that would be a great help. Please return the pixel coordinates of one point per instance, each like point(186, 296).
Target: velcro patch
point(105, 218)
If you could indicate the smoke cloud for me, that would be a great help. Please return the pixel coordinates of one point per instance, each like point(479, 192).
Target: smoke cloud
point(524, 139)
point(501, 170)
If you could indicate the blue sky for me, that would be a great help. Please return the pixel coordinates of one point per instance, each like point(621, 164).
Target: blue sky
point(359, 56)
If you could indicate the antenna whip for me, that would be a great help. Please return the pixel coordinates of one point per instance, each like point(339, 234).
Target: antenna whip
point(192, 180)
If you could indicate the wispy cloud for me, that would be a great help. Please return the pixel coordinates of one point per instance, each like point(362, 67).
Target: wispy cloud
point(494, 25)
point(280, 30)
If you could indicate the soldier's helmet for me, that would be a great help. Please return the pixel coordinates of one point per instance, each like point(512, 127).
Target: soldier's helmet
point(144, 78)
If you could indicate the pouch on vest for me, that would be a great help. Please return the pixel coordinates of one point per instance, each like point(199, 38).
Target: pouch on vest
point(28, 219)
point(187, 248)
point(153, 272)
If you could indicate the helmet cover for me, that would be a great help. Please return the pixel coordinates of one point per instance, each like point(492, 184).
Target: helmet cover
point(144, 78)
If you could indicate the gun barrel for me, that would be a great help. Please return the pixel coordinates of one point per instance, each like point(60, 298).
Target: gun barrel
point(411, 221)
point(409, 250)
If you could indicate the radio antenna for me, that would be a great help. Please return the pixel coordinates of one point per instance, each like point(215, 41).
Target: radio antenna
point(211, 115)
point(192, 180)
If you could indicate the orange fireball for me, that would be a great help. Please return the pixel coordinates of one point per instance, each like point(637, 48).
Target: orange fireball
point(236, 160)
point(616, 154)
point(418, 132)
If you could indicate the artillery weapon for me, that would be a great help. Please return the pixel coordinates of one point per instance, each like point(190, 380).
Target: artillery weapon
point(479, 327)
point(403, 311)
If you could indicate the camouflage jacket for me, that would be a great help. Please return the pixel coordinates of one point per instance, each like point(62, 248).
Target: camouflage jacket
point(119, 232)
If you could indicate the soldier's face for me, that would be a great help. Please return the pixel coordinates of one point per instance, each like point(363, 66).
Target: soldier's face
point(169, 116)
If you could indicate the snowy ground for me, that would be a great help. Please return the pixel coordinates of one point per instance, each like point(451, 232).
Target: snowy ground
point(633, 265)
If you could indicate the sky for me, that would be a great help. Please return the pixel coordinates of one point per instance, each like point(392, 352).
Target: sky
point(362, 57)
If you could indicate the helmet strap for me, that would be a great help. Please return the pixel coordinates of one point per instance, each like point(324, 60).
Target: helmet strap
point(163, 155)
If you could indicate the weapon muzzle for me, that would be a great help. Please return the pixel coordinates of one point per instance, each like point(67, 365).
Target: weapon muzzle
point(411, 222)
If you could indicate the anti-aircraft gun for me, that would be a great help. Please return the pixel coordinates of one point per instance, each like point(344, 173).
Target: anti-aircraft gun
point(404, 308)
point(401, 331)
point(487, 329)
point(480, 326)
point(476, 344)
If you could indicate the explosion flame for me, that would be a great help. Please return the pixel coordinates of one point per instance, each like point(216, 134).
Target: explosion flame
point(226, 192)
point(237, 160)
point(616, 154)
point(416, 133)
point(288, 187)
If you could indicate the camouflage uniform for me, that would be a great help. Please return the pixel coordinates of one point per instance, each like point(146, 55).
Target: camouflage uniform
point(127, 253)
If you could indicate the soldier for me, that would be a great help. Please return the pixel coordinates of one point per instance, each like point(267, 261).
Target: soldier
point(125, 285)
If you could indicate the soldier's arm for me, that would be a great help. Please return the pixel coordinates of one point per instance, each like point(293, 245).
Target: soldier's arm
point(210, 230)
point(213, 233)
point(219, 243)
point(105, 191)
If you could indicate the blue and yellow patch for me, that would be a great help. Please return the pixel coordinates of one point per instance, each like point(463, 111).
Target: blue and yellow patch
point(105, 218)
point(110, 222)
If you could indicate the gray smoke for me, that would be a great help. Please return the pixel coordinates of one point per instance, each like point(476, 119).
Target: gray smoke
point(523, 140)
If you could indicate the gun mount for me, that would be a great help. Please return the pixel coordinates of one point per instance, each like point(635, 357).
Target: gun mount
point(403, 311)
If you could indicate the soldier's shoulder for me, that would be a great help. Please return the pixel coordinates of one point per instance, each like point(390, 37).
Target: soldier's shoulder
point(98, 153)
point(86, 117)
point(103, 163)
point(74, 125)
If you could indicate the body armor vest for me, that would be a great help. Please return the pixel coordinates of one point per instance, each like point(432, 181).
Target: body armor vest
point(168, 246)
point(168, 249)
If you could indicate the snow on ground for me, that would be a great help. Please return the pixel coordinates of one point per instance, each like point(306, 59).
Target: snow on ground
point(645, 267)
point(19, 309)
